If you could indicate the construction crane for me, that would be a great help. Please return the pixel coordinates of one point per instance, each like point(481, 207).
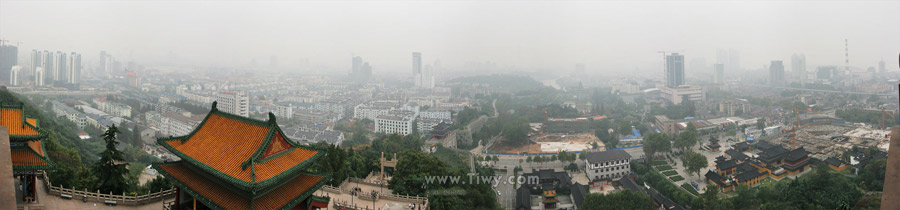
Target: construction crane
point(883, 112)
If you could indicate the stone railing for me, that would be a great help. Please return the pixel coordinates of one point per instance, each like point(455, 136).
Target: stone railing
point(106, 198)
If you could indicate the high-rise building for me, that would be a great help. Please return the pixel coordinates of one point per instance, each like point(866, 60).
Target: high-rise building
point(36, 60)
point(73, 69)
point(39, 76)
point(357, 64)
point(881, 66)
point(776, 73)
point(798, 68)
point(360, 71)
point(234, 102)
point(47, 58)
point(417, 68)
point(59, 67)
point(14, 75)
point(719, 77)
point(674, 70)
point(101, 67)
point(9, 56)
point(729, 57)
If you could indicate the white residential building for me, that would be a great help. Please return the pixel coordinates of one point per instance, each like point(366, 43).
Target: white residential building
point(395, 123)
point(284, 111)
point(14, 75)
point(70, 113)
point(610, 164)
point(234, 102)
point(436, 113)
point(178, 124)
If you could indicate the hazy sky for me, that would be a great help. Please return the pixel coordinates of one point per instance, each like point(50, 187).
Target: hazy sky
point(606, 35)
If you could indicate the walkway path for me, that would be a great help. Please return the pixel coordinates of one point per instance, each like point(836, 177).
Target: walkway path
point(50, 202)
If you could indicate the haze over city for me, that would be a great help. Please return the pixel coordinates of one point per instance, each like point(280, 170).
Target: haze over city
point(607, 36)
point(449, 105)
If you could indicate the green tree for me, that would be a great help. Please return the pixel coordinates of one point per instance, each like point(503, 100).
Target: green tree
point(111, 168)
point(334, 163)
point(710, 197)
point(761, 123)
point(136, 140)
point(623, 200)
point(694, 162)
point(687, 139)
point(516, 132)
point(656, 143)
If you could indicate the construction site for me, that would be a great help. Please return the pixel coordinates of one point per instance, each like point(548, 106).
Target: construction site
point(825, 136)
point(552, 143)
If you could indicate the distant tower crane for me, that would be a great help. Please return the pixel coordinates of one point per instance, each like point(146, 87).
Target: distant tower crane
point(883, 112)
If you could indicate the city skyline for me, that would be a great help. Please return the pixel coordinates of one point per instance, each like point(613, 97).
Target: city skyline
point(533, 35)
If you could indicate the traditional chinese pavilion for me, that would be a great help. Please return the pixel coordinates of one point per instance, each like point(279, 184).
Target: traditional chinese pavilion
point(234, 162)
point(26, 147)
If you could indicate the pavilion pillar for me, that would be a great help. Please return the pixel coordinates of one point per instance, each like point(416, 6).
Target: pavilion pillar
point(178, 198)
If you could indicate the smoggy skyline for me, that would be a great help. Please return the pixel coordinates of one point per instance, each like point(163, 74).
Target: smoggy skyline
point(608, 36)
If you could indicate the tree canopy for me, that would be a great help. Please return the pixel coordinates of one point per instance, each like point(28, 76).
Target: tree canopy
point(623, 200)
point(111, 168)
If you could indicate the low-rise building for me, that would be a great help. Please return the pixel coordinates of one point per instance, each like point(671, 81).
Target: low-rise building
point(436, 113)
point(178, 124)
point(677, 94)
point(610, 164)
point(395, 123)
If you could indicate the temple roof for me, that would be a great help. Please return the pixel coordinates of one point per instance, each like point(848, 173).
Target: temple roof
point(217, 196)
point(20, 127)
point(244, 152)
point(29, 156)
point(797, 154)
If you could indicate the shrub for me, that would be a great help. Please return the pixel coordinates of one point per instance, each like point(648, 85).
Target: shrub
point(690, 188)
point(676, 178)
point(670, 173)
point(659, 162)
point(663, 168)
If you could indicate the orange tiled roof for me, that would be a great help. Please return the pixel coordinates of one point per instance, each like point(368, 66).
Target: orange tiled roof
point(26, 158)
point(224, 144)
point(12, 119)
point(215, 193)
point(31, 121)
point(36, 147)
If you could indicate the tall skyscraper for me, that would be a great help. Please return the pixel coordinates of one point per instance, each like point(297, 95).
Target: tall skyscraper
point(730, 57)
point(357, 64)
point(881, 66)
point(73, 70)
point(798, 68)
point(361, 71)
point(776, 73)
point(36, 60)
point(39, 76)
point(417, 68)
point(101, 67)
point(9, 56)
point(428, 77)
point(14, 75)
point(234, 102)
point(719, 77)
point(674, 70)
point(47, 59)
point(59, 67)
